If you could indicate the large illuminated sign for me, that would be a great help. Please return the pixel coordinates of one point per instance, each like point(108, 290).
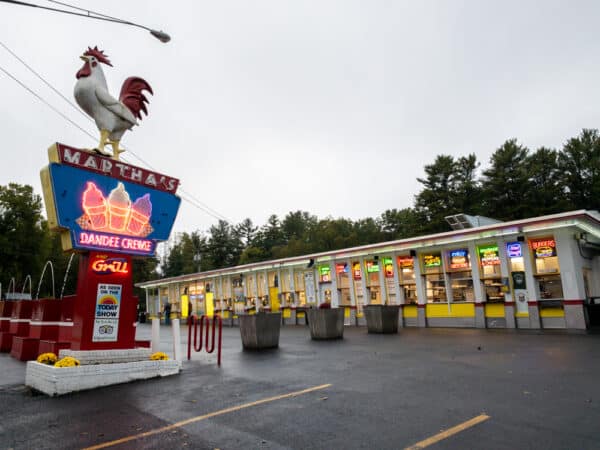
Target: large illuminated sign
point(107, 211)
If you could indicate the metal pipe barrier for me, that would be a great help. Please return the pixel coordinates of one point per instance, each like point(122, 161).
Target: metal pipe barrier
point(194, 321)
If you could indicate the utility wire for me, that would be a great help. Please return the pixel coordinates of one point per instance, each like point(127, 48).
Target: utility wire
point(35, 94)
point(47, 83)
point(193, 200)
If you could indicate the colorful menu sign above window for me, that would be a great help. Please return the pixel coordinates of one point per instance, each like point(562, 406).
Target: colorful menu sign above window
point(372, 267)
point(388, 267)
point(459, 259)
point(488, 255)
point(356, 271)
point(324, 274)
point(543, 248)
point(406, 262)
point(514, 250)
point(432, 260)
point(341, 268)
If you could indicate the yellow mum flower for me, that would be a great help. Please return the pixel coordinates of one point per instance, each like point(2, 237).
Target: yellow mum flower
point(67, 361)
point(47, 358)
point(159, 356)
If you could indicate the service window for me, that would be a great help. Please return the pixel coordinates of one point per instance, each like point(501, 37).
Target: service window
point(461, 278)
point(514, 253)
point(435, 285)
point(489, 263)
point(547, 270)
point(406, 278)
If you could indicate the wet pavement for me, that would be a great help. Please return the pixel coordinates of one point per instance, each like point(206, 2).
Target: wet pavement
point(539, 389)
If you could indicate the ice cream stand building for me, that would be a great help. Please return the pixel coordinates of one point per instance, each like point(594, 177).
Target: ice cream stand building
point(541, 272)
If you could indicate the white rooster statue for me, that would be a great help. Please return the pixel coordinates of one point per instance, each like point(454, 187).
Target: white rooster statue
point(113, 117)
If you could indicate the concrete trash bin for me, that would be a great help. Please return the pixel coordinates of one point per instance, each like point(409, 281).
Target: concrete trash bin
point(326, 323)
point(259, 331)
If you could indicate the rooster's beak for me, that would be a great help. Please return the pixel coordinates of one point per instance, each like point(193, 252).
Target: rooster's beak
point(83, 57)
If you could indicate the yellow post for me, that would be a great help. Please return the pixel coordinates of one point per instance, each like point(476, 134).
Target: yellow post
point(210, 304)
point(274, 296)
point(185, 302)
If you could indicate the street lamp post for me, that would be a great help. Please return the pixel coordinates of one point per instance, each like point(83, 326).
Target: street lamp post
point(160, 35)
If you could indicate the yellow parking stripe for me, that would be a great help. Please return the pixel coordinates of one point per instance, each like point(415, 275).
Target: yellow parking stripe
point(449, 432)
point(205, 416)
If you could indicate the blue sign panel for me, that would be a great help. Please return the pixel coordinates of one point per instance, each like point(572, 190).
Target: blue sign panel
point(105, 213)
point(514, 250)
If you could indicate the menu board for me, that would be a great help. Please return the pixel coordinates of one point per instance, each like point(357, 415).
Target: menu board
point(514, 250)
point(488, 255)
point(372, 267)
point(459, 259)
point(324, 274)
point(388, 267)
point(432, 260)
point(356, 271)
point(543, 248)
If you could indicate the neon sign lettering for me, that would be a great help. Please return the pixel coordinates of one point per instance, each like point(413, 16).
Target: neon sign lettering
point(110, 265)
point(107, 241)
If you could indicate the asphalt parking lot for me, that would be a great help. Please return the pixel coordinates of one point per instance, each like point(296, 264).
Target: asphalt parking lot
point(429, 388)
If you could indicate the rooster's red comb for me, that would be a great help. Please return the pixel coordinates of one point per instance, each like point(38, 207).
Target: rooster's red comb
point(99, 54)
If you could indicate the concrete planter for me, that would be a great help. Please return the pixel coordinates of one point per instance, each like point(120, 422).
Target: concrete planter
point(382, 318)
point(326, 323)
point(58, 381)
point(260, 330)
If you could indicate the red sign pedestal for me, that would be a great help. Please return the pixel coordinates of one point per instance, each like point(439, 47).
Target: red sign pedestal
point(104, 313)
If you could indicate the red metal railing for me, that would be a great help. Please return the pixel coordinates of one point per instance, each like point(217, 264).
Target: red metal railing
point(199, 343)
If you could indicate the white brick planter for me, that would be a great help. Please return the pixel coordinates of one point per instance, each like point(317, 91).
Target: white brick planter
point(61, 380)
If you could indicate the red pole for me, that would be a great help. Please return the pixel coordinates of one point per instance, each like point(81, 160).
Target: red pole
point(220, 338)
point(192, 323)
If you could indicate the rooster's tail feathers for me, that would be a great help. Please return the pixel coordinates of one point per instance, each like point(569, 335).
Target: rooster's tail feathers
point(133, 98)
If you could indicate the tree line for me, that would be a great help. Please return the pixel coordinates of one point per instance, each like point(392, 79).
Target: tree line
point(516, 183)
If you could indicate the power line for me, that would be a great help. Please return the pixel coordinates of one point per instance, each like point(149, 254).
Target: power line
point(47, 83)
point(193, 200)
point(36, 95)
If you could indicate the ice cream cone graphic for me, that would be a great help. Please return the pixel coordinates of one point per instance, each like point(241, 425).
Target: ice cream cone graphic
point(94, 205)
point(119, 207)
point(141, 210)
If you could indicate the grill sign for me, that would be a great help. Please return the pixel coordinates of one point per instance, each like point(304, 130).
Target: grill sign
point(110, 265)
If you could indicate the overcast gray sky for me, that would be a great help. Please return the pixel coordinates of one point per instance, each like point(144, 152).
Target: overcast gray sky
point(329, 106)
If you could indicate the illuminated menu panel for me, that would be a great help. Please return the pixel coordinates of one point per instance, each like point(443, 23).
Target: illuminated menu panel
point(388, 267)
point(489, 255)
point(372, 266)
point(406, 262)
point(341, 268)
point(356, 271)
point(514, 250)
point(430, 261)
point(324, 274)
point(543, 248)
point(459, 259)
